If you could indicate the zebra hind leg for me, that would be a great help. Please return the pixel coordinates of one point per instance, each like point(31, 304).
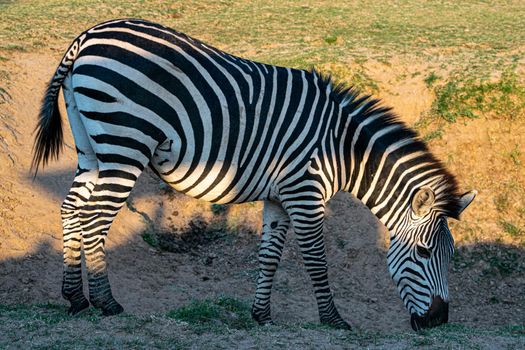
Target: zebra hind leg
point(80, 191)
point(275, 226)
point(112, 188)
point(308, 220)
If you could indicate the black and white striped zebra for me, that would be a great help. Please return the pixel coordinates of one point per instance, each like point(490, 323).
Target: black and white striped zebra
point(229, 130)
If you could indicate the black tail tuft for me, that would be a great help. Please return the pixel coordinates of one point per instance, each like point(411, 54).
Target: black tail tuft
point(49, 135)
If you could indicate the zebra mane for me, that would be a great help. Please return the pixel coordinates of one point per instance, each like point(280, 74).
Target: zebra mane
point(350, 99)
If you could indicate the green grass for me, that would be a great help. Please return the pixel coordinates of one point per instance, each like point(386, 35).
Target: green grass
point(478, 37)
point(220, 323)
point(150, 238)
point(431, 79)
point(465, 97)
point(494, 260)
point(215, 315)
point(218, 209)
point(512, 229)
point(435, 134)
point(317, 31)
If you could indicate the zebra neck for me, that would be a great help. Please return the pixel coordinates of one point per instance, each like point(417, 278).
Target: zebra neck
point(382, 159)
point(370, 153)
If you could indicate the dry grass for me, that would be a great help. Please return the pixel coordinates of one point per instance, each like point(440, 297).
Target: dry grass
point(224, 322)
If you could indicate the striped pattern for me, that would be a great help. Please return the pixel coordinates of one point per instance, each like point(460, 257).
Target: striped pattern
point(229, 130)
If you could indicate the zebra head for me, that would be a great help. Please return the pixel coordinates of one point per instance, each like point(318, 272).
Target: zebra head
point(421, 248)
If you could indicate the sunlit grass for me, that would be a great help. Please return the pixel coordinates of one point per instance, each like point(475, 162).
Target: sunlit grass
point(465, 97)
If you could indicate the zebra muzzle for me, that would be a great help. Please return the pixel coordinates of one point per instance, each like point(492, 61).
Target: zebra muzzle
point(436, 315)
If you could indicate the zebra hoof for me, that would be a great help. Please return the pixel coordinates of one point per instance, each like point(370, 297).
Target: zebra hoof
point(78, 307)
point(262, 317)
point(338, 324)
point(112, 309)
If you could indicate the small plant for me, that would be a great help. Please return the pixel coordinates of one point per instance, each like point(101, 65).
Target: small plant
point(465, 97)
point(436, 134)
point(501, 201)
point(450, 103)
point(511, 229)
point(330, 39)
point(341, 243)
point(150, 238)
point(215, 315)
point(514, 155)
point(218, 209)
point(431, 79)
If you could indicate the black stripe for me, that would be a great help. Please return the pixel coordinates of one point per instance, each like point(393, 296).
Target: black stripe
point(128, 120)
point(119, 159)
point(95, 94)
point(123, 141)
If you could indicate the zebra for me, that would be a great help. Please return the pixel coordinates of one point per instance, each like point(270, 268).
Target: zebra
point(229, 130)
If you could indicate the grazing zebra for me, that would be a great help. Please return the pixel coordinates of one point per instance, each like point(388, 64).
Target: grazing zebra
point(229, 130)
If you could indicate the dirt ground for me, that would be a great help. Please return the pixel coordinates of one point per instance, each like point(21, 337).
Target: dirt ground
point(149, 280)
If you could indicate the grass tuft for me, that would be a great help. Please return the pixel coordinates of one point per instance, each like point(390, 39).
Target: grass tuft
point(463, 97)
point(330, 39)
point(515, 155)
point(215, 315)
point(150, 238)
point(431, 79)
point(511, 229)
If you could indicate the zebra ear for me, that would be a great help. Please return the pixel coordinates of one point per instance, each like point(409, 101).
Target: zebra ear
point(465, 200)
point(422, 201)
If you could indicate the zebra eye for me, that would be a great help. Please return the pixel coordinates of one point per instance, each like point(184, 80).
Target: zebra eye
point(423, 252)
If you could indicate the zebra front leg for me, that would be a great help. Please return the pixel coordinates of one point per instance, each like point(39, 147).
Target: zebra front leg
point(275, 225)
point(308, 220)
point(72, 276)
point(109, 195)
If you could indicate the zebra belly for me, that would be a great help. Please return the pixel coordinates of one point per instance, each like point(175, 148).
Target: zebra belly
point(200, 180)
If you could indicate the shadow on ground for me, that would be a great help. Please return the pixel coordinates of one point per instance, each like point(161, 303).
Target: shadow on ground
point(486, 281)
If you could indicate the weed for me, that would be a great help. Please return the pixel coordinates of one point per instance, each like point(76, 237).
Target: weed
point(150, 238)
point(422, 341)
point(431, 79)
point(451, 102)
point(330, 39)
point(501, 201)
point(218, 209)
point(518, 330)
point(515, 154)
point(436, 134)
point(215, 315)
point(341, 243)
point(504, 264)
point(468, 98)
point(494, 259)
point(511, 229)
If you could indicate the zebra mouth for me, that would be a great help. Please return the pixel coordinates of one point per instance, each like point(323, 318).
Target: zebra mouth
point(436, 315)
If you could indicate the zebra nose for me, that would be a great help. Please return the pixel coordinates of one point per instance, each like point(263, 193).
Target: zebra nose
point(437, 314)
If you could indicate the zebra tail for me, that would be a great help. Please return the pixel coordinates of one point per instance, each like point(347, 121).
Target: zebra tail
point(49, 135)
